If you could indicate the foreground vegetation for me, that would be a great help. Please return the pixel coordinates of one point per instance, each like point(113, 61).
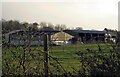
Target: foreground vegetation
point(68, 60)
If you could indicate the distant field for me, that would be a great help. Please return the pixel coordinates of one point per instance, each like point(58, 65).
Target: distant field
point(66, 55)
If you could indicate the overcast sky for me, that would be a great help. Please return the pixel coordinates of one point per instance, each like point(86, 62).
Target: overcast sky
point(89, 14)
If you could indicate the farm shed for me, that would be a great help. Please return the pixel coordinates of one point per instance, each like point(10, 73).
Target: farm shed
point(61, 38)
point(87, 36)
point(22, 37)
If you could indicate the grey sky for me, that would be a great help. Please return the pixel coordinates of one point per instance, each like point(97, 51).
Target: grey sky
point(89, 15)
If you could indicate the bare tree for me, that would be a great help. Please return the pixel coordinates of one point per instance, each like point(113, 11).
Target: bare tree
point(63, 27)
point(43, 24)
point(50, 25)
point(11, 25)
point(79, 28)
point(35, 24)
point(60, 27)
point(57, 27)
point(26, 25)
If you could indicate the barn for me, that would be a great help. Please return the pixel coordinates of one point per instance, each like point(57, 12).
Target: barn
point(82, 36)
point(61, 38)
point(87, 36)
point(23, 37)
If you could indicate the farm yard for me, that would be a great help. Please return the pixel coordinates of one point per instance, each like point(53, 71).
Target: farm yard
point(77, 59)
point(60, 39)
point(55, 52)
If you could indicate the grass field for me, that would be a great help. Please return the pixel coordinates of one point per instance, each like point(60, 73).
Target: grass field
point(66, 55)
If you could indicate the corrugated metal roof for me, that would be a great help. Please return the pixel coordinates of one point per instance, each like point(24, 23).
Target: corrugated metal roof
point(15, 31)
point(89, 31)
point(32, 32)
point(76, 32)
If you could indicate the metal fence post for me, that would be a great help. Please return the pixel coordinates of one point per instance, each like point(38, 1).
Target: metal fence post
point(45, 55)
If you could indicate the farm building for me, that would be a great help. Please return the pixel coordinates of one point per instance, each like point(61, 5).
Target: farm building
point(86, 36)
point(22, 37)
point(61, 38)
point(82, 36)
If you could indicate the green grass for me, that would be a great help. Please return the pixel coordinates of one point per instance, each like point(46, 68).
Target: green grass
point(64, 54)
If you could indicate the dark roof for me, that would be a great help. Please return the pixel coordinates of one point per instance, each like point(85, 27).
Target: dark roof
point(89, 31)
point(76, 32)
point(12, 32)
point(15, 31)
point(32, 32)
point(71, 32)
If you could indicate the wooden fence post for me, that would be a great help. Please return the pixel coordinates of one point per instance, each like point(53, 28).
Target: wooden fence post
point(45, 55)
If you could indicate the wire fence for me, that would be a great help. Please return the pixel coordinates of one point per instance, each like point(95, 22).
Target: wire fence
point(31, 54)
point(24, 59)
